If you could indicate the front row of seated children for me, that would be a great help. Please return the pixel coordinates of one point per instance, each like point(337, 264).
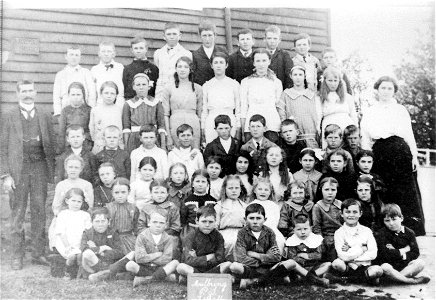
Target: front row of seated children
point(101, 246)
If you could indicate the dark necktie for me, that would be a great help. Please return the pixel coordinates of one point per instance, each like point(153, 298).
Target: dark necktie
point(109, 66)
point(27, 113)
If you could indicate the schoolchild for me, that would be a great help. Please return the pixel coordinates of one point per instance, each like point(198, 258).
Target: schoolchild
point(202, 57)
point(106, 113)
point(281, 62)
point(256, 250)
point(165, 58)
point(398, 252)
point(370, 206)
point(301, 104)
point(139, 65)
point(241, 61)
point(100, 246)
point(113, 153)
point(230, 211)
point(139, 111)
point(185, 153)
point(302, 44)
point(203, 249)
point(329, 59)
point(214, 169)
point(356, 247)
point(140, 188)
point(351, 142)
point(333, 137)
point(290, 143)
point(224, 146)
point(108, 70)
point(103, 190)
point(296, 203)
point(326, 216)
point(245, 169)
point(364, 162)
point(72, 72)
point(307, 174)
point(76, 137)
point(179, 186)
point(76, 113)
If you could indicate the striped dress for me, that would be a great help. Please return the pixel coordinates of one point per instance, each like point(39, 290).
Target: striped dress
point(124, 219)
point(305, 109)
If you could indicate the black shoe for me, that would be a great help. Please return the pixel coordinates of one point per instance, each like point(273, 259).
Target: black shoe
point(336, 279)
point(17, 263)
point(41, 260)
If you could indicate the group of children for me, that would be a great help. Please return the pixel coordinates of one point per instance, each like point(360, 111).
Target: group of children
point(263, 201)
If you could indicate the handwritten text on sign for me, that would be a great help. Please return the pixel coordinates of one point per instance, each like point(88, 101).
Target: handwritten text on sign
point(209, 286)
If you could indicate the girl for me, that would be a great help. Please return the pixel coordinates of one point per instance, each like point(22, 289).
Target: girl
point(123, 215)
point(103, 191)
point(370, 207)
point(278, 173)
point(364, 163)
point(337, 168)
point(73, 165)
point(106, 113)
point(326, 216)
point(245, 170)
point(214, 168)
point(200, 186)
point(230, 212)
point(70, 224)
point(179, 188)
point(139, 111)
point(259, 94)
point(78, 112)
point(301, 105)
point(263, 192)
point(308, 174)
point(337, 105)
point(182, 102)
point(140, 188)
point(184, 152)
point(220, 97)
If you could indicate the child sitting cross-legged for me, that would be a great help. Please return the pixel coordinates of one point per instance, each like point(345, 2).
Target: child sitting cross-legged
point(303, 251)
point(153, 253)
point(398, 251)
point(100, 246)
point(256, 250)
point(356, 247)
point(203, 248)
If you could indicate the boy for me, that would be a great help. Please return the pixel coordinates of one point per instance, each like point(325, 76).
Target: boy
point(76, 137)
point(333, 137)
point(303, 58)
point(160, 204)
point(352, 142)
point(185, 154)
point(241, 61)
point(113, 153)
point(289, 143)
point(329, 58)
point(140, 64)
point(203, 249)
point(355, 246)
point(224, 146)
point(153, 254)
point(257, 144)
point(165, 58)
point(398, 249)
point(281, 62)
point(108, 70)
point(256, 250)
point(73, 72)
point(148, 148)
point(202, 57)
point(99, 246)
point(303, 252)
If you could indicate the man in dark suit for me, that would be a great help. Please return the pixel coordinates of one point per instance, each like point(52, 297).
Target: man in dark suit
point(202, 57)
point(224, 146)
point(27, 161)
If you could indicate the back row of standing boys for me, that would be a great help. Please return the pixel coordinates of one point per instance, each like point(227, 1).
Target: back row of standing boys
point(242, 224)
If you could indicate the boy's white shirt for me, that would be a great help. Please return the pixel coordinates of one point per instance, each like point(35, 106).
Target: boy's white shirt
point(312, 241)
point(355, 238)
point(77, 151)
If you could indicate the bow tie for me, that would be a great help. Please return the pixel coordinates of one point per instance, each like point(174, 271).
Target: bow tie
point(109, 66)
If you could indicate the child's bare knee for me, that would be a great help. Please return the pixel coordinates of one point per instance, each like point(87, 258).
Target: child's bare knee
point(237, 268)
point(386, 267)
point(289, 264)
point(374, 271)
point(339, 264)
point(419, 263)
point(88, 254)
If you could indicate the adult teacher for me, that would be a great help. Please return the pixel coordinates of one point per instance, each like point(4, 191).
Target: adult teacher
point(386, 129)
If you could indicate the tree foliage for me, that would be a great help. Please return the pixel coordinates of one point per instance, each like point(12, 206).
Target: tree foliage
point(416, 75)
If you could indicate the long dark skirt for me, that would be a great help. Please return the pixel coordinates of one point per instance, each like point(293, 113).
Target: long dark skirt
point(393, 162)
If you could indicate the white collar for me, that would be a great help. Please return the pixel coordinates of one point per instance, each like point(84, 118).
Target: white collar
point(312, 241)
point(76, 68)
point(146, 150)
point(146, 101)
point(208, 51)
point(228, 141)
point(27, 107)
point(248, 52)
point(77, 151)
